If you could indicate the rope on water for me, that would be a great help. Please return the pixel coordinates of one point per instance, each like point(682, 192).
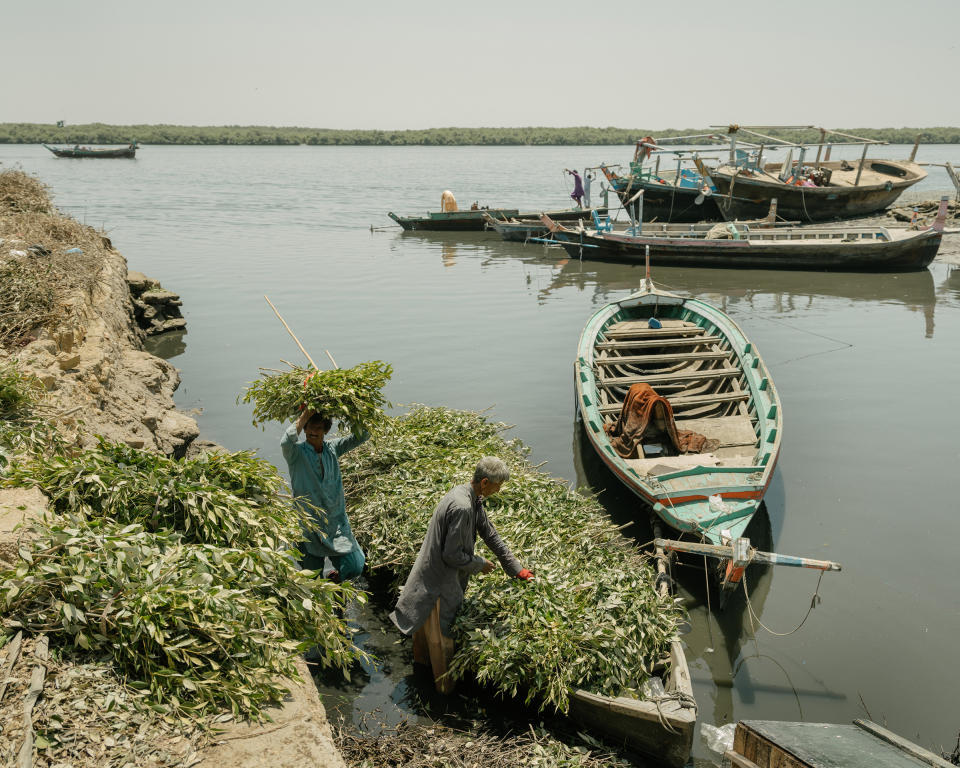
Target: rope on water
point(753, 616)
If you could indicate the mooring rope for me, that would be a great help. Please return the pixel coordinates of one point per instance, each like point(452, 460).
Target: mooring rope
point(753, 616)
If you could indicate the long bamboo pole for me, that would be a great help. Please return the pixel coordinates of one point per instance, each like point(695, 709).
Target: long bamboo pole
point(294, 336)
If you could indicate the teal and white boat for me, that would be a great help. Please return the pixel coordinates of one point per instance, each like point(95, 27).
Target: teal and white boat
point(717, 386)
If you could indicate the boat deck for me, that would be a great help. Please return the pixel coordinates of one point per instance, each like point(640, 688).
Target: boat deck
point(698, 374)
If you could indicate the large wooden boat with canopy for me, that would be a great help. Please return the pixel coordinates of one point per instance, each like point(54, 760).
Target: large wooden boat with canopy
point(808, 187)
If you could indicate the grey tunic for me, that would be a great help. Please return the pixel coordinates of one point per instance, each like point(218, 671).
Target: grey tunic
point(447, 560)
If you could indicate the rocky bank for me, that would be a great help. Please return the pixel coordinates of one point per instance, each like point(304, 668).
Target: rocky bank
point(89, 354)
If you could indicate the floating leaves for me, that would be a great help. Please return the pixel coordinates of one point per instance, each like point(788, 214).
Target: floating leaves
point(591, 619)
point(352, 395)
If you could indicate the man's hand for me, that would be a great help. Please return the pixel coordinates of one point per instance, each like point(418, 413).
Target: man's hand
point(487, 567)
point(304, 418)
point(525, 575)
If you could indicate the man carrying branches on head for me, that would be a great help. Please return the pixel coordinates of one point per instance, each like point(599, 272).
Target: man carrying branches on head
point(435, 587)
point(318, 489)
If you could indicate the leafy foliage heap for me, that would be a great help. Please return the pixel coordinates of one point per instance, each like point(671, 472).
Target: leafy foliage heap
point(23, 429)
point(352, 395)
point(195, 624)
point(180, 569)
point(228, 499)
point(591, 619)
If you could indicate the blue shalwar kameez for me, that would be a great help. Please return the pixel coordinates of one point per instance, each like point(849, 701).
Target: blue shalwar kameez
point(315, 478)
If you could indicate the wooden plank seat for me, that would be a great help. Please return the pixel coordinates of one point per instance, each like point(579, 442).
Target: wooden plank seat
point(689, 400)
point(654, 333)
point(728, 430)
point(691, 341)
point(676, 357)
point(698, 374)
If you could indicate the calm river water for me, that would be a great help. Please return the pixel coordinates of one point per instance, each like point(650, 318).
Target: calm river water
point(868, 369)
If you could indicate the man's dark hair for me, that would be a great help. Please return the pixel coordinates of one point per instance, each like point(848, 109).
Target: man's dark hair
point(319, 420)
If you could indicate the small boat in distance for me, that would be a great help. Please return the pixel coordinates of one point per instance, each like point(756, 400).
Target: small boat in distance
point(474, 220)
point(77, 151)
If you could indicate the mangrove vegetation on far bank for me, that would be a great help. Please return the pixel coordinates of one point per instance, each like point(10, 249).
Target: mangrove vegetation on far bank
point(100, 133)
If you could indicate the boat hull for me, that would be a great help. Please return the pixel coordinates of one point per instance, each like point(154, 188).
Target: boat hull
point(475, 221)
point(915, 253)
point(680, 496)
point(639, 724)
point(752, 195)
point(668, 203)
point(94, 153)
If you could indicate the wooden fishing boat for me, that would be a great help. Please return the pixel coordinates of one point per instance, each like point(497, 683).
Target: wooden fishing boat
point(841, 249)
point(90, 152)
point(660, 726)
point(522, 230)
point(717, 386)
point(772, 744)
point(856, 188)
point(809, 190)
point(475, 220)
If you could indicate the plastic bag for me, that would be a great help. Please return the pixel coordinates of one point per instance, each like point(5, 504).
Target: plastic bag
point(717, 504)
point(720, 739)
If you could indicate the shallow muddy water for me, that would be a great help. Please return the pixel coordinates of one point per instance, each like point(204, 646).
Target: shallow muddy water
point(867, 366)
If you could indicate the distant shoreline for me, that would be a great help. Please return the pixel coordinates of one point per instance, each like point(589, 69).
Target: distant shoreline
point(99, 133)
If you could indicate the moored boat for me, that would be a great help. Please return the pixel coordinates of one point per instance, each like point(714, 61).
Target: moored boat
point(660, 725)
point(810, 190)
point(840, 249)
point(77, 151)
point(717, 387)
point(475, 219)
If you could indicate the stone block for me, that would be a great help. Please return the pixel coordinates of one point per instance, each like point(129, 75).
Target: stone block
point(68, 360)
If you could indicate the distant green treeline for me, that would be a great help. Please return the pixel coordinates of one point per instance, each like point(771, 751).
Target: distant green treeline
point(99, 133)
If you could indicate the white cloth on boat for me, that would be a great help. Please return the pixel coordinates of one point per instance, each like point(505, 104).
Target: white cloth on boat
point(447, 560)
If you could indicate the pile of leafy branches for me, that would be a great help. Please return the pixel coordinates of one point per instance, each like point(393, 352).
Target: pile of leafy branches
point(181, 570)
point(438, 746)
point(352, 395)
point(23, 427)
point(228, 499)
point(591, 619)
point(195, 624)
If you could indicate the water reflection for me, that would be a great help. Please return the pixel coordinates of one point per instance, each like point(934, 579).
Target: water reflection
point(167, 345)
point(783, 292)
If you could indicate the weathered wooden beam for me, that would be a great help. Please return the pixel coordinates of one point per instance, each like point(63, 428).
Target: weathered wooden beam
point(656, 378)
point(654, 333)
point(688, 400)
point(647, 343)
point(677, 356)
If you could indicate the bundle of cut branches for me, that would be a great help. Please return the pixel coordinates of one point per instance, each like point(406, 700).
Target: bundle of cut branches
point(591, 619)
point(352, 395)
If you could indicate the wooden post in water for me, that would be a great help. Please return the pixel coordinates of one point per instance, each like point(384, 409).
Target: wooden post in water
point(863, 159)
point(916, 145)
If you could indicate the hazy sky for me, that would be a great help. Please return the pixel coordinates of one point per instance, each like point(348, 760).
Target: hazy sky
point(420, 63)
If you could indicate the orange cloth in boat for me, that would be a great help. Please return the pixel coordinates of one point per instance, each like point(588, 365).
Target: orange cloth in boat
point(638, 411)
